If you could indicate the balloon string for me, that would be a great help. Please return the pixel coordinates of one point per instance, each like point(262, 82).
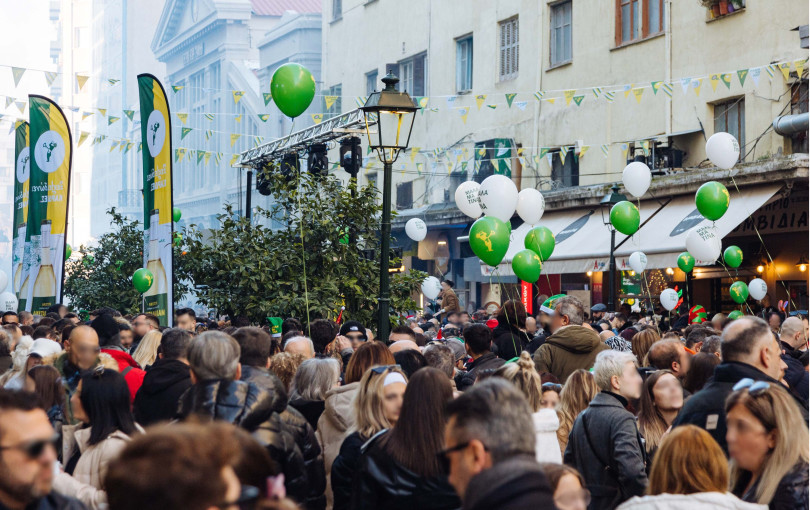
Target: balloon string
point(506, 312)
point(731, 277)
point(649, 292)
point(303, 251)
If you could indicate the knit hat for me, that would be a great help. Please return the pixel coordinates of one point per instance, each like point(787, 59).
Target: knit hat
point(106, 327)
point(697, 315)
point(275, 326)
point(353, 327)
point(550, 303)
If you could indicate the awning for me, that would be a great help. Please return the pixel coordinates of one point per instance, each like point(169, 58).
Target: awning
point(583, 240)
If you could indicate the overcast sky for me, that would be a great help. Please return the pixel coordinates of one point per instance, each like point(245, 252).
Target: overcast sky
point(25, 39)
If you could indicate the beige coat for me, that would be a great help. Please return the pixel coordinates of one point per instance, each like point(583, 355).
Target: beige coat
point(333, 427)
point(87, 482)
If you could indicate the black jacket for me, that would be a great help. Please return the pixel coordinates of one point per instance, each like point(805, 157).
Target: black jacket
point(343, 469)
point(707, 407)
point(163, 385)
point(514, 484)
point(606, 448)
point(791, 493)
point(250, 407)
point(509, 340)
point(311, 409)
point(797, 377)
point(381, 482)
point(269, 382)
point(53, 501)
point(488, 360)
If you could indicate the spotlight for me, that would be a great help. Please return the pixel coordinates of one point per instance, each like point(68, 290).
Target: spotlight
point(351, 157)
point(263, 176)
point(317, 162)
point(760, 268)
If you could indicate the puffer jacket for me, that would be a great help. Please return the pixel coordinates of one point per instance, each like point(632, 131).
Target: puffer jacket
point(517, 483)
point(344, 468)
point(509, 340)
point(485, 361)
point(567, 350)
point(697, 501)
point(334, 425)
point(250, 407)
point(547, 447)
point(791, 493)
point(382, 482)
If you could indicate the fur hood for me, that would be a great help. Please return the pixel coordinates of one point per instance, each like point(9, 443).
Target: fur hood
point(58, 360)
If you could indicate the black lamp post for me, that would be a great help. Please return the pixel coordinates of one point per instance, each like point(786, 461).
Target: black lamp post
point(389, 116)
point(608, 201)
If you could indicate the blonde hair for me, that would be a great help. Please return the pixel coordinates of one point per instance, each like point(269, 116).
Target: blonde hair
point(577, 393)
point(641, 343)
point(688, 461)
point(525, 377)
point(368, 405)
point(780, 415)
point(146, 353)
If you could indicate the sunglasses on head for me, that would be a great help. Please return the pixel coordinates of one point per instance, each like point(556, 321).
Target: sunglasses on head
point(755, 388)
point(382, 368)
point(33, 449)
point(550, 386)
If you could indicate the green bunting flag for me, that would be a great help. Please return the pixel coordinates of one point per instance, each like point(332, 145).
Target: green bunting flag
point(267, 97)
point(129, 113)
point(742, 74)
point(509, 98)
point(184, 131)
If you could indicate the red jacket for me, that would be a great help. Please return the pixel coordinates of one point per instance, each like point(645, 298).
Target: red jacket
point(133, 376)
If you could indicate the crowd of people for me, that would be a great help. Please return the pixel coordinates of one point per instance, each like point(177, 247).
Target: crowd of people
point(571, 408)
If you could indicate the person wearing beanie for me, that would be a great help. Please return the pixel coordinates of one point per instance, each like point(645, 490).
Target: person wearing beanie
point(107, 329)
point(355, 332)
point(697, 315)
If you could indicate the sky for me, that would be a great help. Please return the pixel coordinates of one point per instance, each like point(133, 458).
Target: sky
point(25, 38)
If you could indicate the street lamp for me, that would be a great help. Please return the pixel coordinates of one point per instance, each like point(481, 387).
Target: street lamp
point(608, 201)
point(392, 113)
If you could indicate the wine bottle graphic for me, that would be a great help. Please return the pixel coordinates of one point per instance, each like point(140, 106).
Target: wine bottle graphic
point(18, 269)
point(45, 284)
point(156, 296)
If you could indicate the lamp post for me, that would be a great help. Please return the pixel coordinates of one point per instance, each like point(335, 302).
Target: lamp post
point(608, 201)
point(392, 114)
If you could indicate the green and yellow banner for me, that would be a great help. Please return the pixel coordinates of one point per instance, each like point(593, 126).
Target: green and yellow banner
point(49, 181)
point(156, 132)
point(19, 248)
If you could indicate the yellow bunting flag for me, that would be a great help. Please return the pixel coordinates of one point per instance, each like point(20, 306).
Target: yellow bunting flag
point(103, 111)
point(583, 150)
point(18, 74)
point(207, 157)
point(81, 79)
point(414, 152)
point(550, 100)
point(113, 146)
point(183, 117)
point(714, 80)
point(234, 138)
point(479, 100)
point(627, 89)
point(785, 68)
point(625, 147)
point(423, 102)
point(237, 95)
point(696, 83)
point(800, 66)
point(638, 92)
point(569, 95)
point(86, 114)
point(234, 159)
point(238, 118)
point(82, 137)
point(464, 112)
point(563, 152)
point(330, 100)
point(317, 118)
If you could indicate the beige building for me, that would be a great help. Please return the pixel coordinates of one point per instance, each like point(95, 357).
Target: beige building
point(561, 95)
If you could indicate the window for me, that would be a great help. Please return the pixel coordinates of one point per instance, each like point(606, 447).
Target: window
point(560, 45)
point(413, 75)
point(337, 9)
point(565, 175)
point(654, 17)
point(464, 64)
point(371, 81)
point(509, 49)
point(730, 117)
point(405, 195)
point(336, 107)
point(627, 21)
point(798, 104)
point(372, 179)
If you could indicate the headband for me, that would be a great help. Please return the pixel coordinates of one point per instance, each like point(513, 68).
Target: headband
point(394, 377)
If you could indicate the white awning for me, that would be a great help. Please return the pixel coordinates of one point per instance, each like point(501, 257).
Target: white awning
point(583, 240)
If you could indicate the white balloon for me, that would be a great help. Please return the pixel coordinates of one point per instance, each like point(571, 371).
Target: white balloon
point(530, 205)
point(669, 299)
point(416, 229)
point(638, 261)
point(467, 199)
point(636, 178)
point(3, 280)
point(704, 243)
point(723, 150)
point(431, 287)
point(8, 302)
point(498, 196)
point(757, 288)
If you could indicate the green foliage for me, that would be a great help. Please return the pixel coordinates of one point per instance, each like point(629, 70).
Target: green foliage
point(300, 268)
point(103, 275)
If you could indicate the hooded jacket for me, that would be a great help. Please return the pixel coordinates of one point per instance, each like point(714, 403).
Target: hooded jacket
point(509, 340)
point(334, 425)
point(485, 361)
point(567, 350)
point(517, 483)
point(163, 385)
point(129, 368)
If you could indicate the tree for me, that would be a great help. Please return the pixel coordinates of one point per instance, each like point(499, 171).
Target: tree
point(314, 261)
point(102, 275)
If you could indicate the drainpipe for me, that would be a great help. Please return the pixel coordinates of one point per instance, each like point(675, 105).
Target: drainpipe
point(787, 125)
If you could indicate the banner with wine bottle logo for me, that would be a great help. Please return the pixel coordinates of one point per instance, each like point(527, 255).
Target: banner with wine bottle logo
point(21, 259)
point(49, 181)
point(156, 136)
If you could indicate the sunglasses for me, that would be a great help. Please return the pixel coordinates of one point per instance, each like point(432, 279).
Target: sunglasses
point(381, 369)
point(356, 338)
point(755, 389)
point(248, 497)
point(550, 386)
point(33, 449)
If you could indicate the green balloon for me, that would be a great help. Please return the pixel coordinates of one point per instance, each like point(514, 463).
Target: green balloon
point(176, 214)
point(293, 88)
point(142, 280)
point(733, 256)
point(527, 266)
point(625, 217)
point(489, 239)
point(178, 239)
point(736, 314)
point(686, 262)
point(739, 292)
point(541, 241)
point(118, 264)
point(712, 200)
point(68, 251)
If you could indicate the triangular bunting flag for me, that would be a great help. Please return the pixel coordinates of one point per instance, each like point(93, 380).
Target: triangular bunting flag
point(113, 146)
point(741, 74)
point(82, 137)
point(129, 146)
point(50, 77)
point(218, 157)
point(112, 81)
point(207, 158)
point(667, 88)
point(479, 100)
point(609, 96)
point(414, 152)
point(685, 82)
point(258, 139)
point(509, 98)
point(655, 86)
point(102, 111)
point(578, 99)
point(140, 146)
point(755, 73)
point(237, 95)
point(9, 100)
point(183, 117)
point(208, 134)
point(550, 159)
point(423, 102)
point(638, 92)
point(263, 116)
point(234, 159)
point(419, 167)
point(267, 97)
point(360, 101)
point(182, 154)
point(492, 106)
point(582, 150)
point(563, 152)
point(17, 72)
point(625, 147)
point(605, 149)
point(129, 113)
point(521, 105)
point(714, 80)
point(726, 79)
point(464, 112)
point(329, 100)
point(184, 131)
point(596, 91)
point(696, 83)
point(569, 94)
point(539, 94)
point(449, 166)
point(627, 89)
point(209, 116)
point(317, 118)
point(177, 88)
point(645, 146)
point(234, 138)
point(550, 100)
point(769, 69)
point(785, 68)
point(81, 79)
point(800, 67)
point(200, 156)
point(543, 151)
point(112, 119)
point(121, 146)
point(20, 106)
